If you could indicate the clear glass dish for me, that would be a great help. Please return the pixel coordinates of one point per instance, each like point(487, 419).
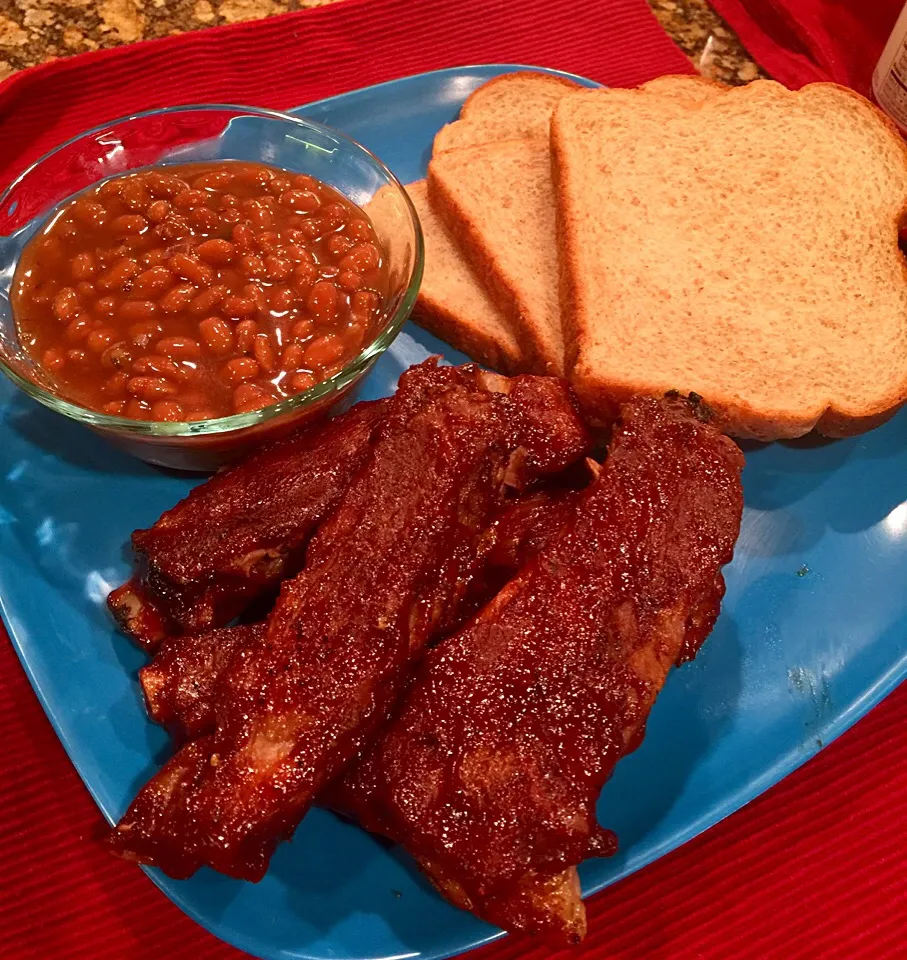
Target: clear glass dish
point(204, 133)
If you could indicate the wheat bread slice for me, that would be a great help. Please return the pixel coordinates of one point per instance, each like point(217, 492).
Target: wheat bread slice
point(452, 303)
point(497, 200)
point(509, 107)
point(743, 247)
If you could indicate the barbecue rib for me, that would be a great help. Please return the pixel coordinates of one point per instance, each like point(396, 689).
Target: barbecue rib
point(490, 771)
point(241, 532)
point(383, 577)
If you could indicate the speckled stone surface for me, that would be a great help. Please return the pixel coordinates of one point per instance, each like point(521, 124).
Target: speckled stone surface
point(33, 31)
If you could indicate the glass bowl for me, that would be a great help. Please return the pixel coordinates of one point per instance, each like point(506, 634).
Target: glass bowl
point(203, 133)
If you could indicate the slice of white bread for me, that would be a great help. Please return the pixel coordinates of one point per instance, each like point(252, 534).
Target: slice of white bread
point(452, 302)
point(497, 200)
point(744, 247)
point(509, 107)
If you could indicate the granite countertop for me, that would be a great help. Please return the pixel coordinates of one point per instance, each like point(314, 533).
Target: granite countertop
point(33, 31)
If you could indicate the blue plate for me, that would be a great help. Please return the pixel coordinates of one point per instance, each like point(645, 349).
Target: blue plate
point(813, 633)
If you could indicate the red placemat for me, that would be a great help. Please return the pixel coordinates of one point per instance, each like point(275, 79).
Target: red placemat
point(810, 870)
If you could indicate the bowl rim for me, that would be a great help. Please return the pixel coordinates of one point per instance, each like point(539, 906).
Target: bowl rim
point(312, 397)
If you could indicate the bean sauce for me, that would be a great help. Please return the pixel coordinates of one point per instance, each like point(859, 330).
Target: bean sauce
point(200, 290)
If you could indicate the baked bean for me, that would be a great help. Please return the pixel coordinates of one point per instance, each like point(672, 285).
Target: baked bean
point(216, 251)
point(277, 269)
point(189, 199)
point(158, 211)
point(118, 275)
point(99, 340)
point(83, 266)
point(115, 385)
point(205, 301)
point(178, 298)
point(106, 306)
point(191, 269)
point(239, 306)
point(338, 245)
point(264, 353)
point(204, 219)
point(115, 408)
point(179, 348)
point(251, 266)
point(53, 360)
point(293, 356)
point(282, 300)
point(166, 411)
point(129, 224)
point(134, 311)
point(150, 289)
point(363, 257)
point(246, 332)
point(66, 304)
point(239, 370)
point(300, 201)
point(323, 351)
point(217, 335)
point(302, 330)
point(349, 280)
point(323, 301)
point(250, 396)
point(150, 388)
point(300, 381)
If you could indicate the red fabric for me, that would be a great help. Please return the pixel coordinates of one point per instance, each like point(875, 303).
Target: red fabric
point(813, 869)
point(802, 41)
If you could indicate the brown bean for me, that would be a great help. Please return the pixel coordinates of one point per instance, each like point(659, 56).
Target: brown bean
point(204, 219)
point(90, 213)
point(349, 280)
point(304, 276)
point(363, 257)
point(250, 396)
point(173, 228)
point(243, 236)
point(251, 265)
point(129, 224)
point(138, 410)
point(323, 301)
point(268, 241)
point(264, 353)
point(189, 199)
point(177, 298)
point(359, 230)
point(260, 217)
point(217, 335)
point(78, 328)
point(323, 351)
point(338, 245)
point(116, 357)
point(277, 269)
point(118, 275)
point(362, 306)
point(191, 269)
point(158, 211)
point(207, 300)
point(295, 253)
point(133, 311)
point(255, 293)
point(53, 360)
point(166, 411)
point(229, 201)
point(99, 340)
point(85, 291)
point(293, 356)
point(154, 257)
point(302, 330)
point(150, 388)
point(66, 304)
point(334, 215)
point(216, 251)
point(282, 299)
point(300, 201)
point(239, 370)
point(300, 381)
point(79, 357)
point(115, 385)
point(179, 348)
point(116, 408)
point(234, 306)
point(255, 176)
point(158, 367)
point(213, 180)
point(230, 216)
point(106, 306)
point(110, 188)
point(302, 181)
point(278, 185)
point(83, 266)
point(246, 331)
point(134, 195)
point(204, 413)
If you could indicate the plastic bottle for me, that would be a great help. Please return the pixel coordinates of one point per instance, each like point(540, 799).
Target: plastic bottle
point(889, 81)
